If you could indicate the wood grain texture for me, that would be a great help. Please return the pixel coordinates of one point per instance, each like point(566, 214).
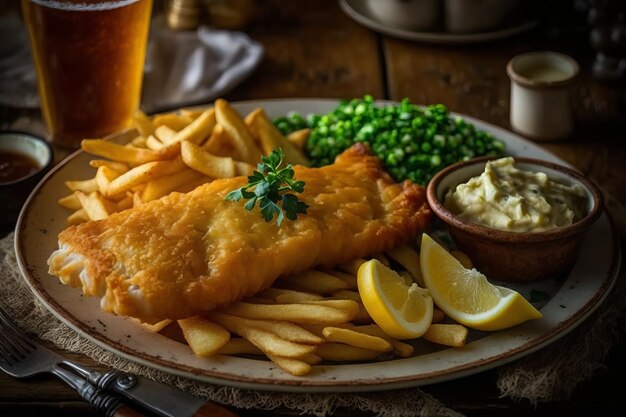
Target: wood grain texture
point(311, 50)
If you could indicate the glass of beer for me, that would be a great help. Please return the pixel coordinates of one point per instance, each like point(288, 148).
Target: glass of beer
point(89, 56)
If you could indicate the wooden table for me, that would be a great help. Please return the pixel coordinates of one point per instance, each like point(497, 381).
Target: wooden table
point(313, 50)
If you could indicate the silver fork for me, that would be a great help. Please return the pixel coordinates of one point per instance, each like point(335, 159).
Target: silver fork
point(22, 357)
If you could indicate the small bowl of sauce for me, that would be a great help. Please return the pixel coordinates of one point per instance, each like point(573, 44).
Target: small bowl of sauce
point(24, 160)
point(510, 232)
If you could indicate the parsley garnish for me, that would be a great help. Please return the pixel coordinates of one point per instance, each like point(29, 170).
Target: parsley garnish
point(270, 182)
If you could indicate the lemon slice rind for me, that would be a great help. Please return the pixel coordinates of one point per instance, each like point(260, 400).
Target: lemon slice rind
point(391, 319)
point(510, 308)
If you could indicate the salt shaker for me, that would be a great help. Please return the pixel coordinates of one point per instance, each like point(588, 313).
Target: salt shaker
point(540, 96)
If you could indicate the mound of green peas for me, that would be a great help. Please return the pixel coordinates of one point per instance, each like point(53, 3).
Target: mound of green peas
point(413, 142)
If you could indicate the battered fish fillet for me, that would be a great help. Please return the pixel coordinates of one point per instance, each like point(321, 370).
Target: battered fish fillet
point(189, 253)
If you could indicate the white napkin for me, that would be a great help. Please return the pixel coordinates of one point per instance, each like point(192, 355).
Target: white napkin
point(195, 66)
point(182, 68)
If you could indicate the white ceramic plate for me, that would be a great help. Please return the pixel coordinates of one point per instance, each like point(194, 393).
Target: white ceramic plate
point(573, 299)
point(358, 11)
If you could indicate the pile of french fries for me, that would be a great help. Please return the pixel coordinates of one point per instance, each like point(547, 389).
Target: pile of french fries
point(302, 320)
point(175, 152)
point(308, 318)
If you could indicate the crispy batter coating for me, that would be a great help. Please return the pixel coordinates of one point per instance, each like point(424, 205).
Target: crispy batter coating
point(188, 253)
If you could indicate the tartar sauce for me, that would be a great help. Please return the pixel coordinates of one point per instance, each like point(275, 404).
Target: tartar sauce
point(507, 198)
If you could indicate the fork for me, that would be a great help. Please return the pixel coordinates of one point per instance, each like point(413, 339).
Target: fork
point(22, 357)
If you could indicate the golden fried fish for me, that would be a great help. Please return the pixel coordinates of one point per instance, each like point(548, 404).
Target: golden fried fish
point(189, 253)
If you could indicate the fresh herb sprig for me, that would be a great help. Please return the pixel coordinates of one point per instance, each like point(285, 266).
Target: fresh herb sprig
point(271, 184)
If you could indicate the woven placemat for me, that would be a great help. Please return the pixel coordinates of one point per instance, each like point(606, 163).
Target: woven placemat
point(547, 375)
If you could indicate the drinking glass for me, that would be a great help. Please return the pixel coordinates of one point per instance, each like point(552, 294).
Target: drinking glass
point(89, 56)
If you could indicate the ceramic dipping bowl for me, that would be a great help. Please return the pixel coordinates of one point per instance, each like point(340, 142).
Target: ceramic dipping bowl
point(515, 256)
point(14, 191)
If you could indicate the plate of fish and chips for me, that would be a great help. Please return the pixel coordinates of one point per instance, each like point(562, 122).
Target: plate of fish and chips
point(308, 331)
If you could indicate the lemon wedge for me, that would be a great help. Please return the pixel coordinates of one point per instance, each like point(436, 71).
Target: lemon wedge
point(402, 311)
point(467, 296)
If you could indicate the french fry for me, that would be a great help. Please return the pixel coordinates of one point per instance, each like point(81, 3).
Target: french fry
point(121, 153)
point(207, 164)
point(232, 123)
point(311, 359)
point(352, 267)
point(453, 335)
point(298, 138)
point(270, 138)
point(268, 342)
point(198, 130)
point(152, 328)
point(139, 142)
point(86, 186)
point(239, 346)
point(297, 297)
point(205, 338)
point(79, 216)
point(400, 348)
point(339, 352)
point(165, 134)
point(347, 295)
point(160, 187)
point(70, 201)
point(243, 168)
point(219, 143)
point(153, 143)
point(293, 366)
point(94, 205)
point(273, 292)
point(353, 308)
point(104, 176)
point(115, 166)
point(350, 279)
point(143, 174)
point(191, 113)
point(143, 124)
point(316, 282)
point(288, 331)
point(409, 258)
point(357, 339)
point(170, 151)
point(295, 313)
point(172, 121)
point(347, 305)
point(137, 202)
point(124, 203)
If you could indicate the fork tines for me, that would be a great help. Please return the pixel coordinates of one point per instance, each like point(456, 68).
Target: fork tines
point(14, 346)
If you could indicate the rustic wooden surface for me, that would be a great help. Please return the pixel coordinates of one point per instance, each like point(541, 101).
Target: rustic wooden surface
point(313, 50)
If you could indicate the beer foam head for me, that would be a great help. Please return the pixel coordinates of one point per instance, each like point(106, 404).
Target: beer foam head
point(84, 6)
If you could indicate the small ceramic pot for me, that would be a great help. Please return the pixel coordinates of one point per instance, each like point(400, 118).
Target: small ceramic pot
point(14, 193)
point(540, 97)
point(514, 256)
